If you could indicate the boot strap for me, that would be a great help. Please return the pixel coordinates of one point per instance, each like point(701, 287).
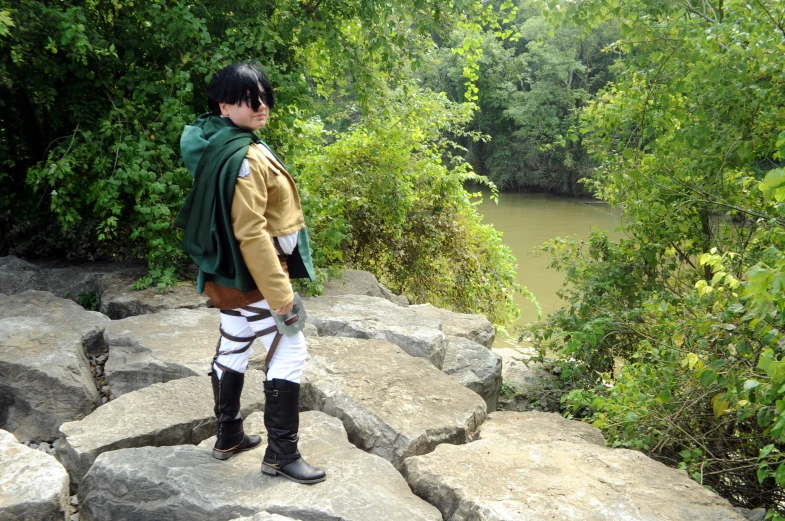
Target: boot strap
point(281, 461)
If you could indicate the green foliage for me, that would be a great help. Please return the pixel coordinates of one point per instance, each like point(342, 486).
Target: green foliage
point(386, 196)
point(88, 300)
point(508, 389)
point(95, 95)
point(671, 337)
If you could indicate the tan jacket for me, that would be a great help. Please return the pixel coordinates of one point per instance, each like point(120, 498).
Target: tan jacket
point(265, 204)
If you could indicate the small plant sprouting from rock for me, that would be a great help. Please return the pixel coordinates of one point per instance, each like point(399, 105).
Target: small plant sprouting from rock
point(88, 300)
point(508, 390)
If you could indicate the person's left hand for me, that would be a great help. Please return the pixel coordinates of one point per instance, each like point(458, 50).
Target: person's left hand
point(285, 309)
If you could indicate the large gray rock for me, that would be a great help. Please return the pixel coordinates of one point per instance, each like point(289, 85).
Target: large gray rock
point(120, 300)
point(392, 405)
point(361, 316)
point(535, 466)
point(16, 275)
point(474, 327)
point(33, 485)
point(65, 280)
point(45, 376)
point(185, 483)
point(353, 282)
point(263, 516)
point(172, 344)
point(110, 283)
point(171, 413)
point(358, 282)
point(476, 367)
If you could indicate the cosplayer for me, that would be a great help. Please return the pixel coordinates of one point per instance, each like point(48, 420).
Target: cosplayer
point(243, 225)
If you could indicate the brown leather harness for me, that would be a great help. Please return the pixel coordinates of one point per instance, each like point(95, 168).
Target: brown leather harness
point(260, 314)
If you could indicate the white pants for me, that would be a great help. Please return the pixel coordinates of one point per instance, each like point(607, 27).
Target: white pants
point(289, 357)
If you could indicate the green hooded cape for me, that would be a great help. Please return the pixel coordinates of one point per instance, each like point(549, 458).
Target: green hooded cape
point(213, 149)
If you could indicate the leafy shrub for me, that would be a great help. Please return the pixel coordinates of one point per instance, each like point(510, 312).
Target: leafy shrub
point(96, 95)
point(672, 336)
point(386, 196)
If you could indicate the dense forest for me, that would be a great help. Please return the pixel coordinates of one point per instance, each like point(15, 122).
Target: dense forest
point(670, 339)
point(530, 89)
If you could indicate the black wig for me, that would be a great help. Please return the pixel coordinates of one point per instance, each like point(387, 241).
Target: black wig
point(239, 83)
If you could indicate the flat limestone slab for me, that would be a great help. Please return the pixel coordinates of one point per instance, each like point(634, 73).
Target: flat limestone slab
point(45, 377)
point(120, 300)
point(111, 282)
point(540, 466)
point(61, 278)
point(185, 483)
point(33, 485)
point(172, 413)
point(392, 405)
point(475, 367)
point(160, 347)
point(467, 325)
point(358, 282)
point(361, 316)
point(262, 516)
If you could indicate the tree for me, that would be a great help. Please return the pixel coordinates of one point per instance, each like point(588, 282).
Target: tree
point(95, 96)
point(674, 332)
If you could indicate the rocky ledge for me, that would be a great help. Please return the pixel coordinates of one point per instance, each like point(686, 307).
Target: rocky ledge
point(33, 485)
point(397, 396)
point(361, 316)
point(185, 483)
point(160, 347)
point(391, 404)
point(536, 466)
point(106, 285)
point(45, 377)
point(171, 413)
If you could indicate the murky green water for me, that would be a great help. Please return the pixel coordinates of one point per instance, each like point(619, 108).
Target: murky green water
point(527, 221)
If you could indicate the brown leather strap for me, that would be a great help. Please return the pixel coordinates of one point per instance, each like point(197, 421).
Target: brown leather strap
point(273, 345)
point(271, 351)
point(218, 353)
point(265, 312)
point(278, 248)
point(236, 338)
point(250, 340)
point(265, 332)
point(233, 352)
point(224, 368)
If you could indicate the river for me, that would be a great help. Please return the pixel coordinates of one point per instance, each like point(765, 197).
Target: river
point(527, 221)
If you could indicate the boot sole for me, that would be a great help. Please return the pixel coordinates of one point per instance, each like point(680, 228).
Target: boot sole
point(223, 456)
point(275, 472)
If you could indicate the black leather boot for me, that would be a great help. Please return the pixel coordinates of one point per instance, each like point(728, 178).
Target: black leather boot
point(282, 420)
point(231, 437)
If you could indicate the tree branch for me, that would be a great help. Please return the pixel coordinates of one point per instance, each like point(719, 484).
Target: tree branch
point(779, 25)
